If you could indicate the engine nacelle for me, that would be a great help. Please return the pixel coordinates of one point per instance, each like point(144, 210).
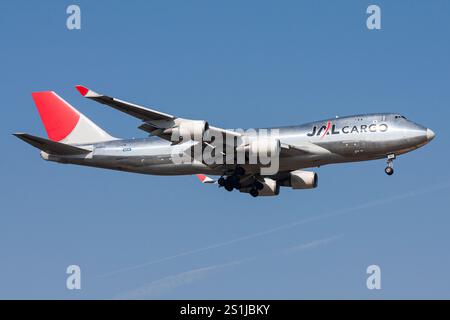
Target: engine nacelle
point(188, 130)
point(270, 188)
point(303, 179)
point(264, 146)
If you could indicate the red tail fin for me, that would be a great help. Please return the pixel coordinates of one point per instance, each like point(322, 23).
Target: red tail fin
point(58, 116)
point(66, 124)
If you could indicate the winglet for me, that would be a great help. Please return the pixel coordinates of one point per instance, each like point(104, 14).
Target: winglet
point(205, 179)
point(81, 89)
point(86, 92)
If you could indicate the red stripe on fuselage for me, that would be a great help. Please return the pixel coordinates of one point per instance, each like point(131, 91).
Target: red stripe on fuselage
point(326, 129)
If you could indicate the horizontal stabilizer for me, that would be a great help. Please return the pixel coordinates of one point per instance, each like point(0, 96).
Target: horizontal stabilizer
point(51, 147)
point(205, 179)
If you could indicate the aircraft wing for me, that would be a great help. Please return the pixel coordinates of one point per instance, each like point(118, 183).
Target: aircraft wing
point(154, 122)
point(132, 109)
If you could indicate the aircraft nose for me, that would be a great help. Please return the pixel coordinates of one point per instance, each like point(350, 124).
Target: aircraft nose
point(430, 134)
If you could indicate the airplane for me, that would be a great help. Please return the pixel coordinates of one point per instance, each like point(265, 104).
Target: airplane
point(75, 139)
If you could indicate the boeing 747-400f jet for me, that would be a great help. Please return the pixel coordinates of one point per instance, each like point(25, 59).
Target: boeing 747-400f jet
point(170, 149)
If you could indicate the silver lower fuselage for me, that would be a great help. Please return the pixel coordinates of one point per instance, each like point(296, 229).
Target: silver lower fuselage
point(346, 139)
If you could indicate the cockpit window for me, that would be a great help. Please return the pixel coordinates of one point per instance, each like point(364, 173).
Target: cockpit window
point(399, 116)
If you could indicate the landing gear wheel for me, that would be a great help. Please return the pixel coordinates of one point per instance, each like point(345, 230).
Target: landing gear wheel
point(390, 161)
point(389, 171)
point(221, 181)
point(253, 192)
point(228, 186)
point(240, 171)
point(234, 181)
point(258, 185)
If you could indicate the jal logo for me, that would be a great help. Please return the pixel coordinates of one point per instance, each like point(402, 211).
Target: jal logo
point(329, 129)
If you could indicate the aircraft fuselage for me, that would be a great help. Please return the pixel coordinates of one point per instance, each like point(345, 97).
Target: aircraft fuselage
point(345, 139)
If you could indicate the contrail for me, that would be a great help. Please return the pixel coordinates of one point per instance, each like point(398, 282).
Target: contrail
point(168, 283)
point(312, 244)
point(162, 285)
point(357, 208)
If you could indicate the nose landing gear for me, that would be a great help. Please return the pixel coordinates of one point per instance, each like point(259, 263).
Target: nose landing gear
point(390, 160)
point(389, 171)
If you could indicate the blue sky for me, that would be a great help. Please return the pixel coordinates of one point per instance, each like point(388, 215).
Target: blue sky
point(238, 64)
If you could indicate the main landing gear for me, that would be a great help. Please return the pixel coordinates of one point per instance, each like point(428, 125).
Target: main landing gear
point(390, 169)
point(232, 182)
point(256, 187)
point(229, 183)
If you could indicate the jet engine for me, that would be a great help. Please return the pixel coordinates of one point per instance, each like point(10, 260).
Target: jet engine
point(188, 129)
point(270, 188)
point(264, 187)
point(261, 146)
point(302, 180)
